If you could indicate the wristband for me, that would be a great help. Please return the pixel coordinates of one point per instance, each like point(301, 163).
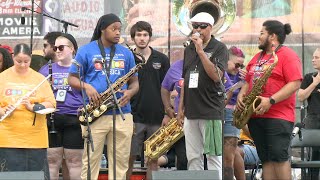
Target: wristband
point(38, 107)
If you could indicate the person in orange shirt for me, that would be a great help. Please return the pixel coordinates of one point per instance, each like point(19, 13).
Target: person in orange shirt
point(23, 133)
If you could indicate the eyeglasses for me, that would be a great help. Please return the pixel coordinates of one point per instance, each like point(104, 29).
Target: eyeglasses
point(61, 48)
point(238, 65)
point(202, 26)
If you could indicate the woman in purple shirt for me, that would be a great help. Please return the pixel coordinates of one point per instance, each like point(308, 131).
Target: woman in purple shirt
point(67, 141)
point(232, 84)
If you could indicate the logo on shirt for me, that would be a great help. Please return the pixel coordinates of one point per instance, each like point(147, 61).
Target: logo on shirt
point(17, 92)
point(156, 65)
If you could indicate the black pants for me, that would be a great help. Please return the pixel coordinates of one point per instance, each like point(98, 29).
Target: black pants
point(180, 150)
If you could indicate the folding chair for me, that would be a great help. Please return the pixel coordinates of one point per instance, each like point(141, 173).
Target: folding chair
point(310, 139)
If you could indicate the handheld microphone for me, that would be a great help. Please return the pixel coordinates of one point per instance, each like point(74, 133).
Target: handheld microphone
point(23, 19)
point(187, 43)
point(296, 129)
point(75, 63)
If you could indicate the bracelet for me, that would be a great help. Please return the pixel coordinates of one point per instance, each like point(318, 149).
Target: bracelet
point(38, 107)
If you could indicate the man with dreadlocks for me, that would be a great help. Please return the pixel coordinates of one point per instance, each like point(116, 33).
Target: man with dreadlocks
point(119, 60)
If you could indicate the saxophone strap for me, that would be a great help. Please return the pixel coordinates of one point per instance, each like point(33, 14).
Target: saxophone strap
point(103, 54)
point(263, 52)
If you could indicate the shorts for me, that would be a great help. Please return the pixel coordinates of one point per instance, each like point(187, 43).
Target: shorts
point(250, 154)
point(68, 134)
point(141, 133)
point(228, 129)
point(272, 138)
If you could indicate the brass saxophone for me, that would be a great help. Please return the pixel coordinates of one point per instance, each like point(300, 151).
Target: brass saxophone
point(241, 118)
point(107, 102)
point(161, 141)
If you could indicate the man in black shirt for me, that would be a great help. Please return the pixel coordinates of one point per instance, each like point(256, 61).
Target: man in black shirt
point(147, 107)
point(202, 99)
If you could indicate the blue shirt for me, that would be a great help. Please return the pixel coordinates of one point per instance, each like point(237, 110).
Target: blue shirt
point(91, 70)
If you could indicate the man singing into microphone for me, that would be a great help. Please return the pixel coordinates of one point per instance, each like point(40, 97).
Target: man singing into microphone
point(200, 100)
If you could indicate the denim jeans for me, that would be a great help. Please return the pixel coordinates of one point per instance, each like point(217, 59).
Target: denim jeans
point(22, 159)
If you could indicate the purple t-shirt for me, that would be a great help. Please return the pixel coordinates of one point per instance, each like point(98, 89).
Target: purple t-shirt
point(173, 80)
point(60, 82)
point(229, 81)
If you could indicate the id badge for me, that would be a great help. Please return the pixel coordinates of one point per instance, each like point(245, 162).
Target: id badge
point(61, 95)
point(193, 80)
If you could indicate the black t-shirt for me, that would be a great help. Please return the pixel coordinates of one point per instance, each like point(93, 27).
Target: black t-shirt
point(206, 101)
point(314, 98)
point(147, 104)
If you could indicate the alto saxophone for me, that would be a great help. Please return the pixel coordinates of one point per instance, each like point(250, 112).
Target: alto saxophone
point(162, 140)
point(107, 102)
point(241, 118)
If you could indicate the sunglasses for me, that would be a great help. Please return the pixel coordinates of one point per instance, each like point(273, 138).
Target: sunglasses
point(202, 26)
point(238, 65)
point(61, 48)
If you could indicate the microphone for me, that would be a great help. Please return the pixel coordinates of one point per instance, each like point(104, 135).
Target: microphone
point(187, 43)
point(23, 19)
point(75, 63)
point(297, 129)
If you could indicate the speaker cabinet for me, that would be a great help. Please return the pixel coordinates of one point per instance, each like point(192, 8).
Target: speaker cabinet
point(186, 174)
point(22, 175)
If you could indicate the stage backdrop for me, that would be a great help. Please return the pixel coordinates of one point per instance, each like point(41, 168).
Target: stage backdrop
point(165, 16)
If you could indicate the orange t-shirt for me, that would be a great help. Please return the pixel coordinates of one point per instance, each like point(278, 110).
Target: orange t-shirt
point(17, 130)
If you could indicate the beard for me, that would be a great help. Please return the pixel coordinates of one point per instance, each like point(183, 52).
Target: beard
point(264, 46)
point(49, 56)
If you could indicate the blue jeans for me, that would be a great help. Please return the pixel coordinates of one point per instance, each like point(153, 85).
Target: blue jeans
point(228, 129)
point(22, 159)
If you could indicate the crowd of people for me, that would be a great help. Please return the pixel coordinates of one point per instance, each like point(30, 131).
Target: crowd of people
point(210, 83)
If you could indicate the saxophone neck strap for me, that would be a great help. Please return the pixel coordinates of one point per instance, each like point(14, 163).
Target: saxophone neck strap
point(264, 52)
point(103, 54)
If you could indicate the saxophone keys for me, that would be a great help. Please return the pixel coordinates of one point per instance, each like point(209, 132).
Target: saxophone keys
point(89, 119)
point(96, 113)
point(81, 118)
point(103, 108)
